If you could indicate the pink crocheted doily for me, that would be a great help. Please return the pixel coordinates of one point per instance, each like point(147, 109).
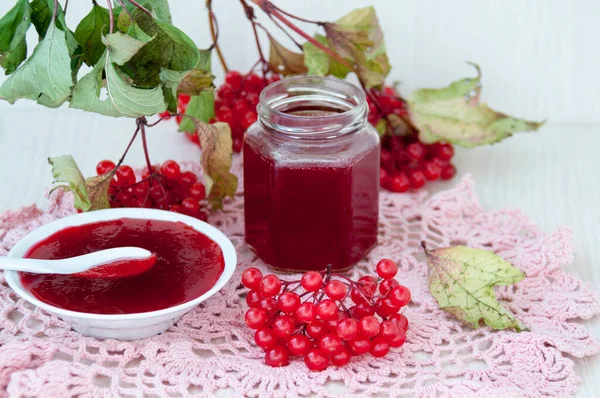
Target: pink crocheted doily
point(210, 348)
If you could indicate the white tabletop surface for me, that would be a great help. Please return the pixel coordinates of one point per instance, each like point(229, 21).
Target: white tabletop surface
point(553, 175)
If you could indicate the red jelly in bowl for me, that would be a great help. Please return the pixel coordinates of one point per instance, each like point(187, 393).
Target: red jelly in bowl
point(188, 265)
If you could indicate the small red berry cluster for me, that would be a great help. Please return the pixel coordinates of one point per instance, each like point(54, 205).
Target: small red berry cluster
point(165, 187)
point(405, 161)
point(309, 318)
point(235, 104)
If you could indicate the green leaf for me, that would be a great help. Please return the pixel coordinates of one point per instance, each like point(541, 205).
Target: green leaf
point(137, 33)
point(462, 279)
point(123, 47)
point(159, 8)
point(216, 143)
point(320, 63)
point(89, 34)
point(201, 107)
point(89, 194)
point(199, 78)
point(64, 169)
point(284, 61)
point(357, 36)
point(171, 49)
point(45, 76)
point(13, 29)
point(454, 114)
point(41, 16)
point(122, 99)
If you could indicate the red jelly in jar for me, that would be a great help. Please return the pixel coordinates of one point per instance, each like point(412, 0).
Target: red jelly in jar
point(311, 175)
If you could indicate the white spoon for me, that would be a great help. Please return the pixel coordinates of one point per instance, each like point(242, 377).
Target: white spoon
point(110, 263)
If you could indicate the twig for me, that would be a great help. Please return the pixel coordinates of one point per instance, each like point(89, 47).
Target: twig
point(214, 32)
point(142, 122)
point(137, 130)
point(294, 16)
point(141, 7)
point(286, 32)
point(268, 8)
point(65, 9)
point(250, 15)
point(111, 16)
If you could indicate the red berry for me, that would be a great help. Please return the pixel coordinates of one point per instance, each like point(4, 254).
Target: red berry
point(253, 298)
point(416, 178)
point(255, 318)
point(400, 320)
point(347, 329)
point(240, 107)
point(398, 339)
point(226, 93)
point(368, 285)
point(248, 119)
point(265, 338)
point(386, 268)
point(283, 326)
point(104, 166)
point(316, 360)
point(273, 79)
point(251, 278)
point(448, 172)
point(316, 329)
point(171, 170)
point(415, 151)
point(362, 310)
point(237, 145)
point(234, 79)
point(340, 357)
point(306, 312)
point(444, 151)
point(190, 206)
point(311, 281)
point(197, 191)
point(225, 115)
point(188, 179)
point(379, 347)
point(360, 346)
point(399, 296)
point(385, 307)
point(288, 302)
point(387, 159)
point(398, 183)
point(327, 310)
point(368, 326)
point(270, 285)
point(277, 356)
point(330, 343)
point(432, 171)
point(125, 176)
point(183, 99)
point(358, 297)
point(202, 216)
point(388, 330)
point(387, 285)
point(335, 290)
point(268, 304)
point(299, 345)
point(253, 100)
point(253, 83)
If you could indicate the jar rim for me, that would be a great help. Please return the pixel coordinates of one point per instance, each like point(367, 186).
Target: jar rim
point(339, 94)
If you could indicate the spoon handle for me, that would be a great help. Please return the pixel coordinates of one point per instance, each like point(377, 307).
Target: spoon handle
point(74, 264)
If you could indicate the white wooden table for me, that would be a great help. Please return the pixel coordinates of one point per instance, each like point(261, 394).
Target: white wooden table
point(553, 175)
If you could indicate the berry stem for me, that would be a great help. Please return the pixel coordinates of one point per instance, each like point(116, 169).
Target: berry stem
point(295, 16)
point(249, 11)
point(65, 7)
point(55, 12)
point(141, 7)
point(214, 33)
point(142, 122)
point(111, 16)
point(285, 32)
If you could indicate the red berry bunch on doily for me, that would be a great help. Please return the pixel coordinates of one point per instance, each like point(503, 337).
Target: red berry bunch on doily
point(405, 161)
point(235, 103)
point(165, 187)
point(326, 318)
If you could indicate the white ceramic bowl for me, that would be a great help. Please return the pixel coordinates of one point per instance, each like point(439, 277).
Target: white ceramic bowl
point(122, 326)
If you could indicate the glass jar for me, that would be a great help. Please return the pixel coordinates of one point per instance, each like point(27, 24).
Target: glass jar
point(311, 175)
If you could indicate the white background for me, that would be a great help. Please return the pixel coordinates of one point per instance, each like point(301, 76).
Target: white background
point(540, 60)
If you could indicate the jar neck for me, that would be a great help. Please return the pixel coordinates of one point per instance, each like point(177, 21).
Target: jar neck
point(312, 108)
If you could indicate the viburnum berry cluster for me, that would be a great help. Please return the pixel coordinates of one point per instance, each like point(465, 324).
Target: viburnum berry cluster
point(326, 318)
point(235, 104)
point(406, 162)
point(165, 187)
